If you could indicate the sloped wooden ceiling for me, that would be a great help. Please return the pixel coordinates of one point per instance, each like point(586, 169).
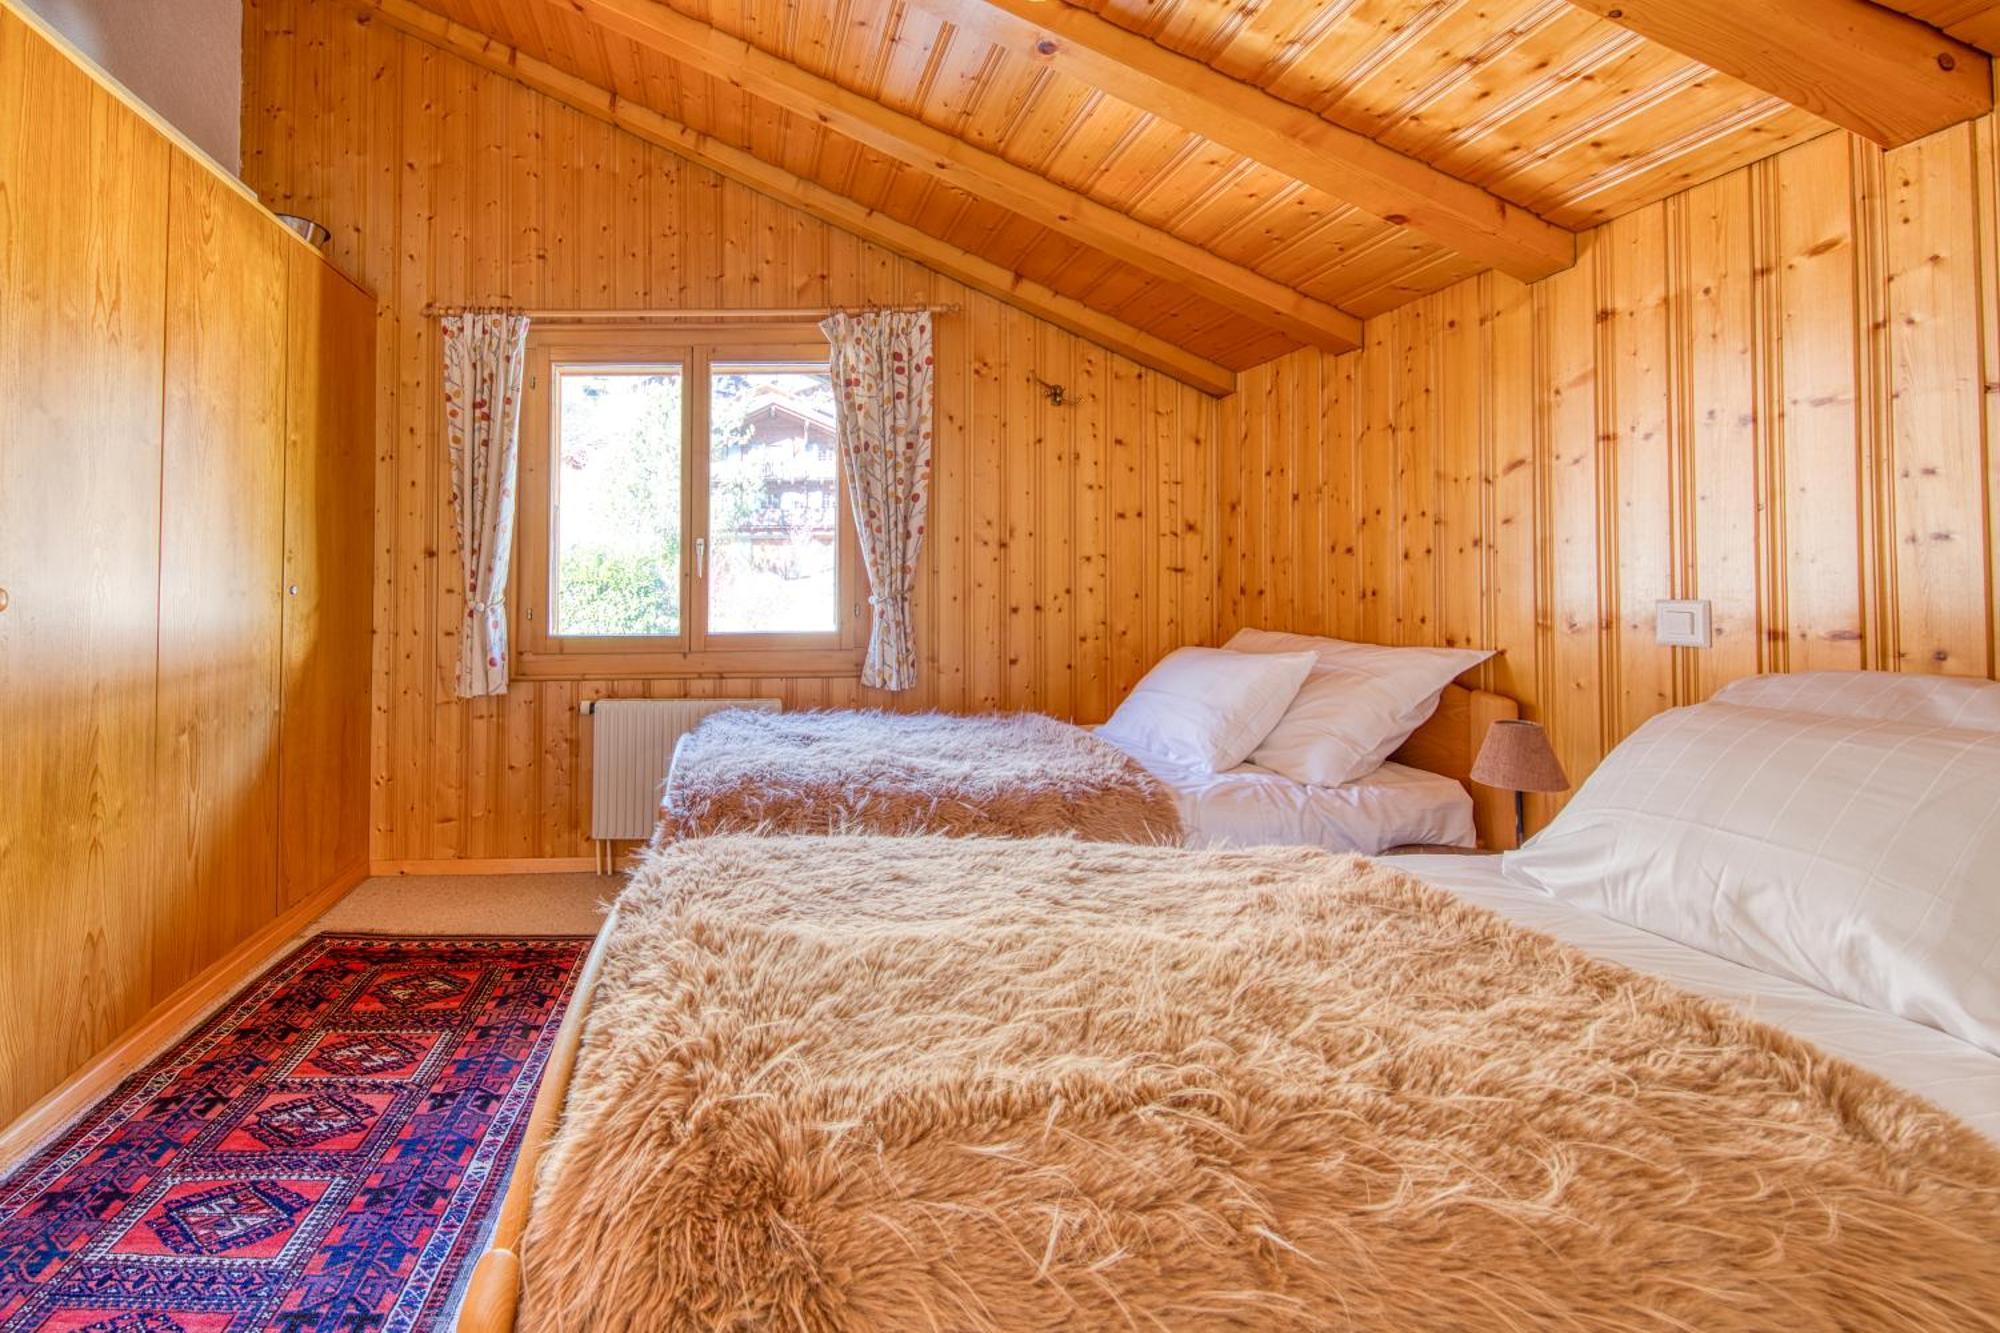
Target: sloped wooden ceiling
point(1545, 106)
point(1974, 22)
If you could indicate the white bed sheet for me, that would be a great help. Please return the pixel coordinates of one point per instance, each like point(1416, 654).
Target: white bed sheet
point(1249, 806)
point(1955, 1074)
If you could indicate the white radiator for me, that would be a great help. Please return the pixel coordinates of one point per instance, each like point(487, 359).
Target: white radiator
point(632, 742)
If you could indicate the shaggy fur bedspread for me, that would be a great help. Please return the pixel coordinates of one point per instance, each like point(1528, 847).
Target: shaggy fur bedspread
point(921, 1083)
point(868, 771)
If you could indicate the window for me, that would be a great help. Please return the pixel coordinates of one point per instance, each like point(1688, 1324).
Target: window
point(773, 500)
point(615, 492)
point(681, 507)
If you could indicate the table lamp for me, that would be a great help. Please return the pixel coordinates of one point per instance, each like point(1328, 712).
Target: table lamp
point(1516, 756)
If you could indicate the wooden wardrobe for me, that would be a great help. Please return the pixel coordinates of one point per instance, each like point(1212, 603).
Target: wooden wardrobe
point(185, 512)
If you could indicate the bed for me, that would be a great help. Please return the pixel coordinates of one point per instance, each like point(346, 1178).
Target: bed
point(1955, 1074)
point(1582, 1146)
point(871, 771)
point(979, 1083)
point(890, 773)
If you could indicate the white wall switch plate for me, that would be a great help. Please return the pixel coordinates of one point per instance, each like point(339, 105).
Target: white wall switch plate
point(1682, 624)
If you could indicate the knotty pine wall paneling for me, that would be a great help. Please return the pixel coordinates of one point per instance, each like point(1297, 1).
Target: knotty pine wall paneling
point(1069, 546)
point(144, 456)
point(1773, 391)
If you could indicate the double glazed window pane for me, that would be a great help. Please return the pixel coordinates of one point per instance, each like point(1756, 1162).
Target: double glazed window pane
point(773, 501)
point(617, 487)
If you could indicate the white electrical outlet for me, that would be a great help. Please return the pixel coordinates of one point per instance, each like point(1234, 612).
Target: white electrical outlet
point(1682, 625)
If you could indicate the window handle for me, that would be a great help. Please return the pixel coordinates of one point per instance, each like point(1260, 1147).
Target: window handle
point(701, 557)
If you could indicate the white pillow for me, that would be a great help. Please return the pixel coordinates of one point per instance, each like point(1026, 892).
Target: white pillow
point(1207, 707)
point(1360, 703)
point(1970, 702)
point(1854, 854)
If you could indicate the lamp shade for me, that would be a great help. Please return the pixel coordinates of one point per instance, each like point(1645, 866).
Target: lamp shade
point(1517, 756)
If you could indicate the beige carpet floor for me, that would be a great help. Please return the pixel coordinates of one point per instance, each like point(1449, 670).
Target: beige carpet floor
point(571, 904)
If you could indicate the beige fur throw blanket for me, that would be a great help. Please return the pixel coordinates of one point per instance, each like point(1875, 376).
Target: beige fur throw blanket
point(923, 1083)
point(867, 771)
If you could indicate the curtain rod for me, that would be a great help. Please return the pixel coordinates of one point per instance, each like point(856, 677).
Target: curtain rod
point(803, 312)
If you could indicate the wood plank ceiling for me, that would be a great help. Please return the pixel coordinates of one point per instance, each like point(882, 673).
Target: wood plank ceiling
point(1539, 103)
point(1974, 22)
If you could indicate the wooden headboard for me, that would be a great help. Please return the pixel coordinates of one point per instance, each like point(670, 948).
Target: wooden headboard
point(1448, 744)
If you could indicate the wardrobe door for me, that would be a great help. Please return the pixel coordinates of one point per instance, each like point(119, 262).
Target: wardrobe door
point(83, 199)
point(329, 516)
point(221, 556)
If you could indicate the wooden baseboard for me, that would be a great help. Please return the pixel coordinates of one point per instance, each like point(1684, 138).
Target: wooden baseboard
point(166, 1020)
point(519, 865)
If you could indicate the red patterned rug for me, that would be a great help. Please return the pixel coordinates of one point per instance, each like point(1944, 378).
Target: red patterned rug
point(324, 1153)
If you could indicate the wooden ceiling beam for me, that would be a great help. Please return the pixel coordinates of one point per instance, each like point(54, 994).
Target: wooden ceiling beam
point(1883, 75)
point(663, 29)
point(808, 196)
point(1239, 116)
